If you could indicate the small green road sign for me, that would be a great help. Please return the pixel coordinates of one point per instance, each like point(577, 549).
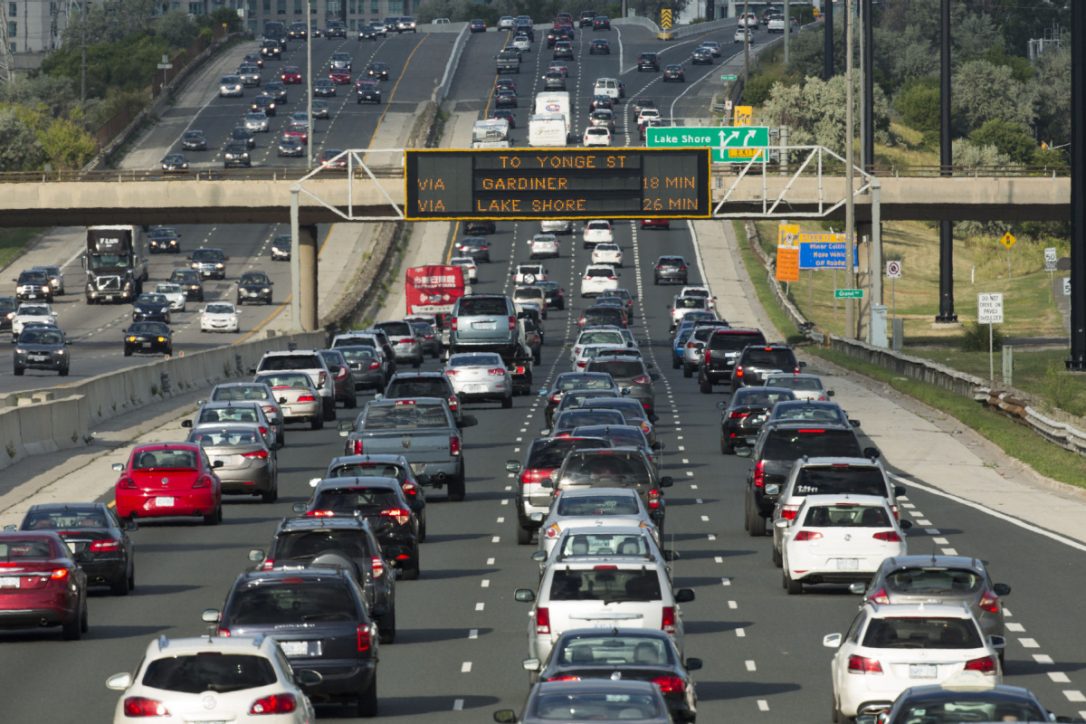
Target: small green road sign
point(848, 293)
point(730, 144)
point(729, 77)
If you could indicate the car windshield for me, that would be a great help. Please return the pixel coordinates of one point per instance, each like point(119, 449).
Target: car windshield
point(611, 585)
point(922, 633)
point(356, 498)
point(613, 650)
point(405, 416)
point(168, 288)
point(418, 387)
point(952, 708)
point(601, 468)
point(595, 505)
point(209, 671)
point(369, 470)
point(64, 519)
point(618, 368)
point(227, 437)
point(220, 309)
point(296, 381)
point(41, 336)
point(213, 254)
point(253, 278)
point(292, 603)
point(33, 311)
point(491, 306)
point(934, 580)
point(839, 479)
point(308, 544)
point(787, 445)
point(847, 515)
point(151, 299)
point(165, 459)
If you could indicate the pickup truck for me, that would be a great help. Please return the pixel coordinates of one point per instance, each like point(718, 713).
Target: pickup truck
point(508, 61)
point(421, 429)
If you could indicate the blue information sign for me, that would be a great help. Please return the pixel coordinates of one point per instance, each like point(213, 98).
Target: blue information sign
point(824, 255)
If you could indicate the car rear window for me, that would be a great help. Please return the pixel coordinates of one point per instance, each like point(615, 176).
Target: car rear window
point(483, 307)
point(405, 417)
point(953, 707)
point(618, 435)
point(750, 396)
point(585, 382)
point(209, 671)
point(814, 442)
point(476, 360)
point(300, 601)
point(600, 337)
point(551, 453)
point(583, 505)
point(847, 515)
point(807, 384)
point(599, 273)
point(734, 341)
point(934, 580)
point(840, 479)
point(347, 500)
point(609, 649)
point(690, 303)
point(606, 584)
point(226, 437)
point(422, 387)
point(922, 633)
point(607, 467)
point(619, 369)
point(291, 362)
point(529, 293)
point(296, 381)
point(228, 414)
point(368, 470)
point(23, 549)
point(397, 329)
point(575, 418)
point(603, 314)
point(308, 544)
point(778, 359)
point(567, 706)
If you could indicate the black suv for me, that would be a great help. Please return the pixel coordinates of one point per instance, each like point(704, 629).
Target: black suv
point(756, 361)
point(271, 49)
point(190, 281)
point(319, 618)
point(648, 61)
point(671, 269)
point(346, 543)
point(42, 348)
point(721, 350)
point(254, 286)
point(780, 444)
point(474, 228)
point(7, 311)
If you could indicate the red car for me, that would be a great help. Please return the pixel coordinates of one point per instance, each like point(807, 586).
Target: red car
point(300, 133)
point(169, 479)
point(41, 584)
point(655, 224)
point(291, 75)
point(340, 77)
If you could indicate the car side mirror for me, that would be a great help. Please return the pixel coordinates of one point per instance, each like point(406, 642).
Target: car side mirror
point(256, 555)
point(658, 445)
point(186, 423)
point(832, 641)
point(530, 664)
point(626, 390)
point(899, 490)
point(905, 524)
point(654, 376)
point(298, 507)
point(539, 556)
point(857, 588)
point(524, 595)
point(544, 432)
point(722, 405)
point(512, 466)
point(693, 664)
point(119, 682)
point(684, 595)
point(282, 400)
point(1001, 589)
point(853, 423)
point(210, 615)
point(119, 467)
point(130, 524)
point(536, 517)
point(830, 393)
point(669, 555)
point(546, 483)
point(998, 642)
point(218, 464)
point(781, 523)
point(871, 452)
point(345, 426)
point(667, 481)
point(378, 396)
point(469, 421)
point(505, 716)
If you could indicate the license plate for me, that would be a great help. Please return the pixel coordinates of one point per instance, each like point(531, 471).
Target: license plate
point(9, 582)
point(301, 648)
point(474, 388)
point(163, 502)
point(923, 671)
point(484, 325)
point(417, 468)
point(145, 344)
point(772, 489)
point(848, 564)
point(38, 358)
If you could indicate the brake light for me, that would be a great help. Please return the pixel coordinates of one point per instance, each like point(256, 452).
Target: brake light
point(399, 515)
point(406, 340)
point(454, 326)
point(534, 475)
point(450, 373)
point(222, 632)
point(985, 665)
point(320, 513)
point(645, 427)
point(142, 706)
point(363, 638)
point(553, 529)
point(879, 596)
point(738, 371)
point(342, 373)
point(738, 415)
point(682, 268)
point(375, 365)
point(669, 684)
point(807, 535)
point(512, 323)
point(256, 455)
point(201, 482)
point(454, 445)
point(105, 545)
point(58, 574)
point(654, 500)
point(759, 474)
point(889, 536)
point(863, 665)
point(641, 380)
point(542, 620)
point(410, 489)
point(496, 371)
point(378, 566)
point(565, 677)
point(453, 402)
point(356, 446)
point(128, 483)
point(667, 620)
point(268, 564)
point(556, 398)
point(306, 398)
point(989, 602)
point(811, 431)
point(789, 512)
point(274, 704)
point(707, 356)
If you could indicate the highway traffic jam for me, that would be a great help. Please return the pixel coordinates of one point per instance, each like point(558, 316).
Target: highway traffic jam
point(559, 486)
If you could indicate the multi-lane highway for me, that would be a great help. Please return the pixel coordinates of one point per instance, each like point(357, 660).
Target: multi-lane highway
point(461, 636)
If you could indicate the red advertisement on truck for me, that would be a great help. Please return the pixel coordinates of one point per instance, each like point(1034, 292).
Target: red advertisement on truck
point(433, 289)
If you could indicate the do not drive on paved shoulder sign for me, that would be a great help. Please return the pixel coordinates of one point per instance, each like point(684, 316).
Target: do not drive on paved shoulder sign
point(990, 308)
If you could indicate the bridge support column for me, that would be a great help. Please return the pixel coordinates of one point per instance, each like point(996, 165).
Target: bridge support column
point(307, 276)
point(946, 162)
point(827, 40)
point(1077, 360)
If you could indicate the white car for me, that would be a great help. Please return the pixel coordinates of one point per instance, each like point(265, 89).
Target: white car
point(596, 136)
point(598, 278)
point(522, 43)
point(525, 296)
point(529, 274)
point(31, 312)
point(505, 22)
point(805, 386)
point(607, 254)
point(838, 539)
point(608, 87)
point(235, 679)
point(480, 376)
point(750, 20)
point(645, 115)
point(680, 306)
point(471, 269)
point(591, 507)
point(606, 538)
point(174, 294)
point(556, 226)
point(588, 352)
point(699, 291)
point(712, 46)
point(890, 648)
point(743, 35)
point(597, 231)
point(543, 246)
point(612, 337)
point(219, 317)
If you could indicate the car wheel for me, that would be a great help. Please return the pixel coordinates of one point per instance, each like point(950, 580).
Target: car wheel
point(281, 439)
point(132, 578)
point(317, 423)
point(507, 402)
point(367, 700)
point(73, 630)
point(63, 371)
point(329, 407)
point(775, 554)
point(19, 371)
point(127, 353)
point(705, 386)
point(756, 526)
point(656, 281)
point(122, 586)
point(688, 371)
point(456, 488)
point(387, 627)
point(212, 518)
point(271, 495)
point(794, 588)
point(422, 529)
point(524, 534)
point(726, 448)
point(675, 364)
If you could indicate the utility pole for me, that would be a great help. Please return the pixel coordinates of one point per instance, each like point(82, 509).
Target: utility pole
point(1076, 362)
point(946, 163)
point(850, 204)
point(746, 44)
point(827, 39)
point(867, 55)
point(787, 29)
point(311, 129)
point(83, 53)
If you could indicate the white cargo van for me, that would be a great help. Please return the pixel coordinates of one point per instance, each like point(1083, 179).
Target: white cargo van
point(547, 130)
point(555, 102)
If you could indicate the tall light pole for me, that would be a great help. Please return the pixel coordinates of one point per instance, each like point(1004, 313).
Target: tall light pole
point(787, 30)
point(746, 43)
point(310, 129)
point(83, 53)
point(850, 204)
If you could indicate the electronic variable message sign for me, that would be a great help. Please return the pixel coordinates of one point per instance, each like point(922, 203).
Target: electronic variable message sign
point(549, 183)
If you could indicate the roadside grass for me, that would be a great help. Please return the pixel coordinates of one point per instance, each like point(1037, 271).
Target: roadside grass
point(13, 243)
point(1010, 436)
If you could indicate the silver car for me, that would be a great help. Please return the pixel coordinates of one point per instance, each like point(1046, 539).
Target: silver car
point(694, 349)
point(256, 122)
point(253, 392)
point(250, 75)
point(230, 86)
point(806, 386)
point(602, 700)
point(249, 467)
point(297, 396)
point(605, 540)
point(480, 376)
point(244, 411)
point(405, 343)
point(589, 508)
point(484, 320)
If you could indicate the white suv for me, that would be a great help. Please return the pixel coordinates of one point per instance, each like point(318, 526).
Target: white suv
point(603, 593)
point(598, 278)
point(310, 362)
point(597, 231)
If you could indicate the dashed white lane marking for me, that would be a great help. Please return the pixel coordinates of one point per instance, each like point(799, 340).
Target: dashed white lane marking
point(480, 606)
point(689, 473)
point(485, 583)
point(679, 437)
point(741, 633)
point(699, 501)
point(501, 519)
point(496, 539)
point(682, 448)
point(931, 531)
point(473, 634)
point(465, 668)
point(733, 605)
point(1015, 627)
point(718, 559)
point(923, 521)
point(725, 581)
point(1029, 643)
point(458, 705)
point(1074, 695)
point(686, 461)
point(1007, 612)
point(751, 666)
point(940, 541)
point(1058, 677)
point(490, 561)
point(763, 705)
point(1042, 658)
point(910, 506)
point(508, 487)
point(704, 519)
point(711, 536)
point(693, 486)
point(950, 551)
point(505, 501)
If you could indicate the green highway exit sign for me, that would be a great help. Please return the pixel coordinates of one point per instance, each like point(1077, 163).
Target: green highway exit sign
point(848, 293)
point(730, 144)
point(729, 76)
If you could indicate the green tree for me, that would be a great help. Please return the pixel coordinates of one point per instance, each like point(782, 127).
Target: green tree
point(815, 112)
point(66, 144)
point(982, 91)
point(21, 150)
point(1053, 87)
point(918, 106)
point(1011, 139)
point(177, 29)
